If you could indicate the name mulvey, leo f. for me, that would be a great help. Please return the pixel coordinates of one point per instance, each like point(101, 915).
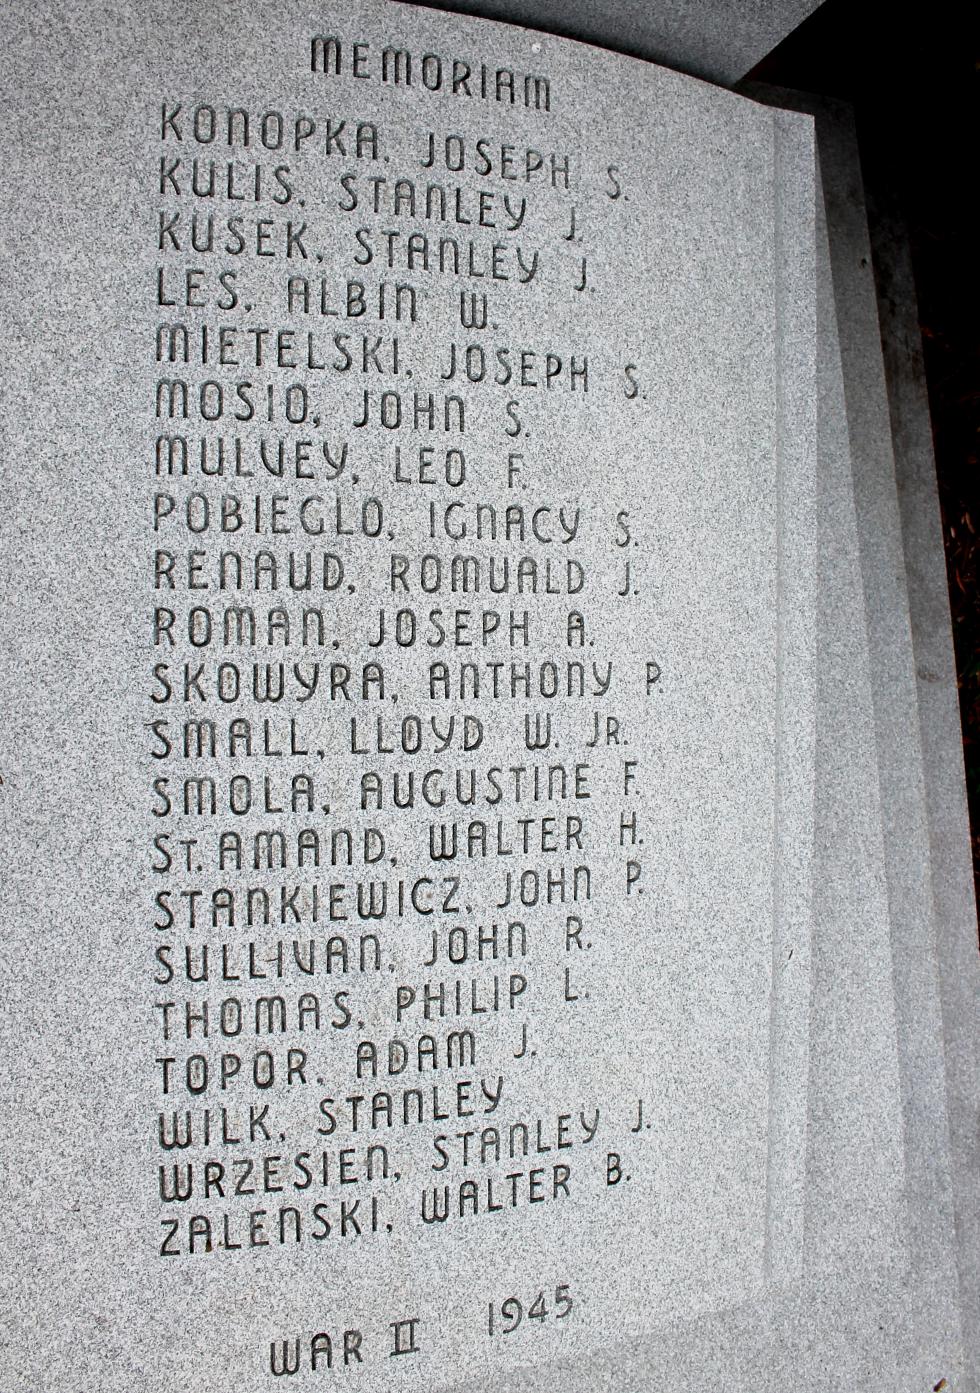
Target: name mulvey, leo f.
point(334, 57)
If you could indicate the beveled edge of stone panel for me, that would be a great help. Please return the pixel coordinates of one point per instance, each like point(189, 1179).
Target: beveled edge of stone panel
point(915, 947)
point(733, 1347)
point(795, 330)
point(934, 1337)
point(714, 39)
point(940, 733)
point(110, 881)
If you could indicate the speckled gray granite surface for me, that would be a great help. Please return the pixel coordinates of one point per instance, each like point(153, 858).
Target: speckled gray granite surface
point(710, 39)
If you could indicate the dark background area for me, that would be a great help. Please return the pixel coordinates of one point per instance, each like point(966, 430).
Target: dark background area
point(911, 76)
